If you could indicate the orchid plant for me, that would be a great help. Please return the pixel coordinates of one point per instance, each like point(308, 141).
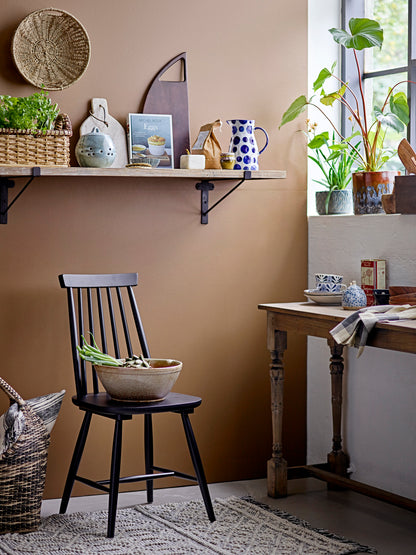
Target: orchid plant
point(394, 112)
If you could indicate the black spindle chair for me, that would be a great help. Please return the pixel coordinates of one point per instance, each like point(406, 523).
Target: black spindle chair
point(105, 305)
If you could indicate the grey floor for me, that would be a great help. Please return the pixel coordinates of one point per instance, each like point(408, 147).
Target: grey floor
point(391, 530)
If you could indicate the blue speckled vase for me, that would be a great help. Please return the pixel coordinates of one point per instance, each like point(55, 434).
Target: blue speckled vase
point(243, 144)
point(354, 297)
point(95, 150)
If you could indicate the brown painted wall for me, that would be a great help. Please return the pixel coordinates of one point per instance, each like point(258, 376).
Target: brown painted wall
point(199, 285)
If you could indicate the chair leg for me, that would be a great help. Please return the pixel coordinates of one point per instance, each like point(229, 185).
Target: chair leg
point(114, 477)
point(196, 461)
point(76, 459)
point(148, 454)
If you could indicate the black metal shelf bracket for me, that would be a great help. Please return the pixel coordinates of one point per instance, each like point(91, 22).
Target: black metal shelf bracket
point(5, 184)
point(205, 186)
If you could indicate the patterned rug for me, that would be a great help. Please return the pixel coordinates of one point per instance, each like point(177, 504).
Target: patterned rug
point(243, 526)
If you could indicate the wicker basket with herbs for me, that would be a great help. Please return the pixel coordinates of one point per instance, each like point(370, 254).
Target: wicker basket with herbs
point(33, 132)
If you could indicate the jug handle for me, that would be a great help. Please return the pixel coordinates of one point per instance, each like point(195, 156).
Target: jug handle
point(267, 138)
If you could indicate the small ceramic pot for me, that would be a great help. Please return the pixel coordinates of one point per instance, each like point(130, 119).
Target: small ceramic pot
point(354, 297)
point(95, 150)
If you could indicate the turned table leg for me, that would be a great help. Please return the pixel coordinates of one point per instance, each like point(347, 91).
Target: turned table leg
point(338, 460)
point(276, 466)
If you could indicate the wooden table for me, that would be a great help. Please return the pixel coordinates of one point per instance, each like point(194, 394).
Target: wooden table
point(315, 320)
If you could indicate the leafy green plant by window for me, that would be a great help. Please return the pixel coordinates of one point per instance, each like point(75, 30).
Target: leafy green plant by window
point(334, 159)
point(30, 112)
point(393, 112)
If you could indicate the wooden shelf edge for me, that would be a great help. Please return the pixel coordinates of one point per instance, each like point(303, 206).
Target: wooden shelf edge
point(57, 171)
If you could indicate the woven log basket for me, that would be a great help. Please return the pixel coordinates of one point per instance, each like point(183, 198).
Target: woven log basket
point(22, 472)
point(28, 147)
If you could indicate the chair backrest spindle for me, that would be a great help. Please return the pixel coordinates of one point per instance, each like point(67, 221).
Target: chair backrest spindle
point(113, 323)
point(81, 328)
point(138, 322)
point(101, 321)
point(92, 331)
point(74, 335)
point(124, 322)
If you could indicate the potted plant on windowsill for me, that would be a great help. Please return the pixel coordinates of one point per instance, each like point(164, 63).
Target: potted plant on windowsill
point(370, 182)
point(335, 161)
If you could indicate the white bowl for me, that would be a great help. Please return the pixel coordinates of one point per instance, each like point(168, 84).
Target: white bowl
point(323, 297)
point(140, 384)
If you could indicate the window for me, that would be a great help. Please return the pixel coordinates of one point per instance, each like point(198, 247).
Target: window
point(395, 62)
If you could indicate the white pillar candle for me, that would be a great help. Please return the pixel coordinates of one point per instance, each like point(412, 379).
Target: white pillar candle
point(192, 162)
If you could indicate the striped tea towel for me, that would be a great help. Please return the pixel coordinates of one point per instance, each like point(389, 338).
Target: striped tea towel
point(354, 330)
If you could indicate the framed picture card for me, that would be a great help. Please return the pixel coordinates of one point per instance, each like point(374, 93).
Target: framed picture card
point(150, 140)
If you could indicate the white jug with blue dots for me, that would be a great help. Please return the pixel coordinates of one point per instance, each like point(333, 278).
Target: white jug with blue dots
point(243, 144)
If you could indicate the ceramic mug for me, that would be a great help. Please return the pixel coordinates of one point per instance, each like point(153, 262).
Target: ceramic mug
point(329, 283)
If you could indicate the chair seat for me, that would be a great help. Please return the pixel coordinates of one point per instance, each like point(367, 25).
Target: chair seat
point(103, 404)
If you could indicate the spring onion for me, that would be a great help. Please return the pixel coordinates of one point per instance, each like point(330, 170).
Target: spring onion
point(91, 353)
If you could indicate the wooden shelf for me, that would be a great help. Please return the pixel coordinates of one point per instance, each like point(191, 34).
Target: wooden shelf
point(204, 178)
point(55, 171)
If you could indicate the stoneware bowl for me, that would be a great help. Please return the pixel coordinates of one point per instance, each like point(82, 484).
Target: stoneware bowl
point(140, 384)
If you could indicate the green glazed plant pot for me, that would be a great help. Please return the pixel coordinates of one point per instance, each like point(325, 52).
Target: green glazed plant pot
point(369, 187)
point(340, 202)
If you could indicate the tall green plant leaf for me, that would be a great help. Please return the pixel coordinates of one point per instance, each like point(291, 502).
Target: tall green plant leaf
point(324, 74)
point(400, 107)
point(389, 119)
point(365, 33)
point(380, 138)
point(329, 99)
point(296, 108)
point(319, 140)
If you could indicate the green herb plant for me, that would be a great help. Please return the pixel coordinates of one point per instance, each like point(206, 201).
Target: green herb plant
point(91, 353)
point(334, 159)
point(394, 112)
point(30, 112)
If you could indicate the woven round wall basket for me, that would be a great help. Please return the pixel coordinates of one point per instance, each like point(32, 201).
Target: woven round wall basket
point(51, 48)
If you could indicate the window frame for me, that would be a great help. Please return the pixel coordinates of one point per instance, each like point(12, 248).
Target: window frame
point(355, 8)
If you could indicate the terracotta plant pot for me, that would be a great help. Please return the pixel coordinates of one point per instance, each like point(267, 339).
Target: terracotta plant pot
point(140, 384)
point(340, 202)
point(368, 188)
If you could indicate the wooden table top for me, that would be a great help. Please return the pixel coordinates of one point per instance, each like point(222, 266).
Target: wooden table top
point(317, 320)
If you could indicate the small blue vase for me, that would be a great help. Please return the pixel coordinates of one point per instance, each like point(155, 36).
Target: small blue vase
point(354, 297)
